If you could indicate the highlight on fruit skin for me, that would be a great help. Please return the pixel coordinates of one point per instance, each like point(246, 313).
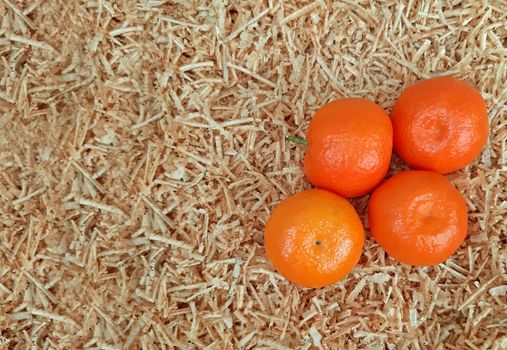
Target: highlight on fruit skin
point(440, 124)
point(349, 147)
point(418, 217)
point(314, 238)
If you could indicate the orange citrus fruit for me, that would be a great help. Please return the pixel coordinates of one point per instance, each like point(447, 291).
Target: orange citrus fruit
point(418, 217)
point(440, 124)
point(314, 238)
point(349, 147)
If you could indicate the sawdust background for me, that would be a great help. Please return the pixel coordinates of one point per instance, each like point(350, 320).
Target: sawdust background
point(142, 150)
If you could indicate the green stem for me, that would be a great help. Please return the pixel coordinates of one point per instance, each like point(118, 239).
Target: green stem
point(298, 140)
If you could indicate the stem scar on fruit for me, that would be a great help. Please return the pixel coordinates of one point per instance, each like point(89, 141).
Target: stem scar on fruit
point(314, 238)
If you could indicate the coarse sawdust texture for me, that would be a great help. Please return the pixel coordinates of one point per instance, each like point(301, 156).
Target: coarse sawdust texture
point(142, 150)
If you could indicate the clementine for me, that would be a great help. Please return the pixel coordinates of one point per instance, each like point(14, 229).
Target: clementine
point(418, 217)
point(439, 124)
point(349, 147)
point(314, 238)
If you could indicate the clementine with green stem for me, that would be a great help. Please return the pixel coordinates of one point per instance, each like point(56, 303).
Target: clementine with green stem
point(349, 146)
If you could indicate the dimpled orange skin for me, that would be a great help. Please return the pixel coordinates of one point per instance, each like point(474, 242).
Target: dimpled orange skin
point(314, 238)
point(418, 217)
point(349, 147)
point(440, 124)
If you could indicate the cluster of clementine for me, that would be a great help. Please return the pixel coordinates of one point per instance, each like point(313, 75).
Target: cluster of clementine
point(314, 238)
